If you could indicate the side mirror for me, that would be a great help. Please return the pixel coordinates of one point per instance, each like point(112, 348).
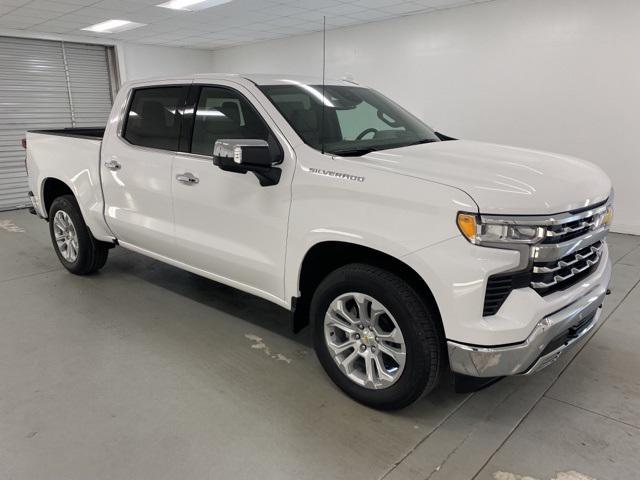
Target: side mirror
point(242, 156)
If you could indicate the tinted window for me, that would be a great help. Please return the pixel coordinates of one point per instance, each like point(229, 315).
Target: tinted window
point(356, 120)
point(222, 113)
point(153, 119)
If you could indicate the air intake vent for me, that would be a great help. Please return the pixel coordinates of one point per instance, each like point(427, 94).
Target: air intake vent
point(499, 287)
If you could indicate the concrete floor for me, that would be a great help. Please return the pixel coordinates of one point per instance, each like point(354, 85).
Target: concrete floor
point(147, 372)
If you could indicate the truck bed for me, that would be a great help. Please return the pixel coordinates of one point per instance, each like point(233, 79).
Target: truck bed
point(70, 156)
point(91, 132)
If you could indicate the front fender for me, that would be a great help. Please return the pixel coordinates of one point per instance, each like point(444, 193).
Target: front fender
point(390, 213)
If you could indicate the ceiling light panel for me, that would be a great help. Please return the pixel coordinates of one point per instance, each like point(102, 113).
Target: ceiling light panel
point(216, 24)
point(113, 26)
point(192, 5)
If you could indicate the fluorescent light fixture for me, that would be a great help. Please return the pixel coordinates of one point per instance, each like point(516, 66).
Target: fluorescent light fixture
point(113, 26)
point(192, 5)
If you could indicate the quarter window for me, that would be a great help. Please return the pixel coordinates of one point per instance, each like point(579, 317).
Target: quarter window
point(153, 119)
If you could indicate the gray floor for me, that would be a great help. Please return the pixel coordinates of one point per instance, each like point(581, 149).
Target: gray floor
point(147, 372)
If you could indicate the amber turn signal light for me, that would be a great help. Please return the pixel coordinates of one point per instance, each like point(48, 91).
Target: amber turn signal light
point(467, 223)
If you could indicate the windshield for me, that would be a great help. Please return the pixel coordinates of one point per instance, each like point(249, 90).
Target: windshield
point(357, 120)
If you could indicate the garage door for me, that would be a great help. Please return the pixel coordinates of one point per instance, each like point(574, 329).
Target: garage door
point(46, 84)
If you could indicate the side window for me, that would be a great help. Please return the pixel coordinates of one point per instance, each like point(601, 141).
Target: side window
point(305, 116)
point(222, 113)
point(153, 119)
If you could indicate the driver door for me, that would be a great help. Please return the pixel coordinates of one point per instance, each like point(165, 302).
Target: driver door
point(226, 224)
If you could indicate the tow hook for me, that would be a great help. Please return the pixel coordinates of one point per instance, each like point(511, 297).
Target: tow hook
point(608, 292)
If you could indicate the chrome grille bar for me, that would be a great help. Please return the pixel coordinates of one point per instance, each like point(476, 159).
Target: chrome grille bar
point(543, 253)
point(559, 278)
point(566, 230)
point(541, 220)
point(594, 250)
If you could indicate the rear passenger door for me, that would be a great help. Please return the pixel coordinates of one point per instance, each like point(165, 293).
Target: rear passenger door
point(136, 168)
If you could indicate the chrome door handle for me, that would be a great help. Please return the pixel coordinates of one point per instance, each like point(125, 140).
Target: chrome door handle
point(112, 165)
point(187, 178)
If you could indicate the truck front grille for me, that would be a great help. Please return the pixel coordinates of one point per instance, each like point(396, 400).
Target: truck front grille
point(570, 252)
point(549, 277)
point(544, 277)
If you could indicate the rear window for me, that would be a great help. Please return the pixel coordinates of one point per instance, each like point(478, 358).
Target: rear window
point(153, 119)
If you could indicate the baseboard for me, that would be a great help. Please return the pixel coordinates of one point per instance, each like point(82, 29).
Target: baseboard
point(625, 228)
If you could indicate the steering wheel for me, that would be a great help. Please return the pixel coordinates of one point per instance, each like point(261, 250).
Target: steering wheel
point(366, 132)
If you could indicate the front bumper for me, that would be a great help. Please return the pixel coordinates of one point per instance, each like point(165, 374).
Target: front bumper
point(552, 336)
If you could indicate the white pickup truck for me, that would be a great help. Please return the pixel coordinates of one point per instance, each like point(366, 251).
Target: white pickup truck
point(410, 254)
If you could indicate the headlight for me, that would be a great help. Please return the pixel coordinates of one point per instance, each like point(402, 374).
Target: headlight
point(480, 233)
point(607, 218)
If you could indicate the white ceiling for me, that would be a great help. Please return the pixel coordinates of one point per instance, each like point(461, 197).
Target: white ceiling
point(238, 22)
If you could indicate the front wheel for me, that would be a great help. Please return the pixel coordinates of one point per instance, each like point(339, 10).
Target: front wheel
point(76, 248)
point(376, 337)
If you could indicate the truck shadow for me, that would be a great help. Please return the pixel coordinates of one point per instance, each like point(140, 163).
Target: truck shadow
point(207, 292)
point(251, 309)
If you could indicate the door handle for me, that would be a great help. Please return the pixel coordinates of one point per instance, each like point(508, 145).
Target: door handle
point(187, 178)
point(113, 165)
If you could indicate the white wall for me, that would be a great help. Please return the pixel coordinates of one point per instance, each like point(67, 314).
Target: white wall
point(137, 61)
point(558, 75)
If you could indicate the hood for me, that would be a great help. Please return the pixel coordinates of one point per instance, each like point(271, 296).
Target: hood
point(501, 179)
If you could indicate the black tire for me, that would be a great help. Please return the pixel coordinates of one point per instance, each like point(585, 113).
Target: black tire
point(418, 321)
point(92, 254)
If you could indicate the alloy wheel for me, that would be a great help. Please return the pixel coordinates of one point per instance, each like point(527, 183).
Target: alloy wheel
point(66, 236)
point(364, 340)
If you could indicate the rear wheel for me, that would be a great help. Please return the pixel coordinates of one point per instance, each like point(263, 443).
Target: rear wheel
point(76, 248)
point(376, 337)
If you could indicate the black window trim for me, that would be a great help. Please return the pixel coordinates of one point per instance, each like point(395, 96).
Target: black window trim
point(179, 111)
point(189, 114)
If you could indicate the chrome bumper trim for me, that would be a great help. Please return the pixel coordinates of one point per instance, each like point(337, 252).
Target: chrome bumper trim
point(525, 358)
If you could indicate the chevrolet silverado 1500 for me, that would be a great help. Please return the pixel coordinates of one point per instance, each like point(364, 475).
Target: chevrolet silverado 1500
point(409, 253)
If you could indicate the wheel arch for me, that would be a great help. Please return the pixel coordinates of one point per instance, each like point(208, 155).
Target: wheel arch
point(326, 256)
point(53, 188)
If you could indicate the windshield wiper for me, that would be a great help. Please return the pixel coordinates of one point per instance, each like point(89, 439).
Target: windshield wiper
point(356, 152)
point(419, 142)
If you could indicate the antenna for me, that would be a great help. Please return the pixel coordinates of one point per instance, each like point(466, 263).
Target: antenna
point(324, 67)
